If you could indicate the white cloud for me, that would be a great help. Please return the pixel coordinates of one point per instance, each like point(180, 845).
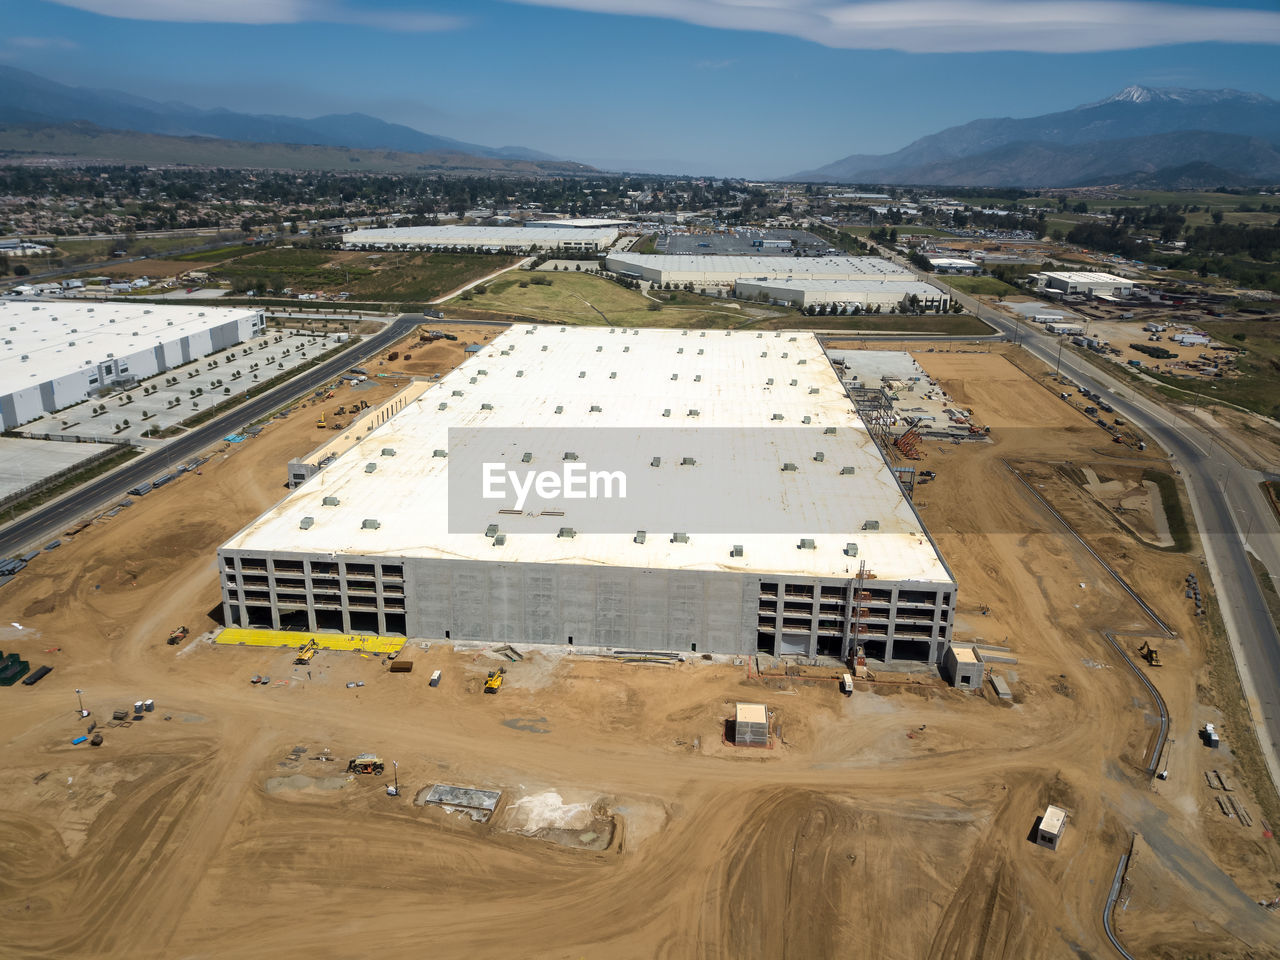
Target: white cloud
point(261, 12)
point(962, 26)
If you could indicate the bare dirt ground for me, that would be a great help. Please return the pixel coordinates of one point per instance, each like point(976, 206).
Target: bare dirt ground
point(892, 824)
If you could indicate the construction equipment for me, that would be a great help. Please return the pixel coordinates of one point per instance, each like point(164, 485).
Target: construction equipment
point(366, 763)
point(1149, 654)
point(306, 652)
point(493, 683)
point(177, 636)
point(320, 422)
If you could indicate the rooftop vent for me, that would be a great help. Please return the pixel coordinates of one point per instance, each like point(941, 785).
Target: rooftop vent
point(819, 457)
point(764, 353)
point(569, 455)
point(599, 349)
point(850, 549)
point(544, 348)
point(527, 458)
point(790, 468)
point(581, 374)
point(679, 349)
point(675, 376)
point(807, 545)
point(846, 471)
point(595, 408)
point(666, 412)
point(482, 373)
point(769, 382)
point(784, 354)
point(776, 416)
point(370, 467)
point(388, 451)
point(369, 524)
point(655, 462)
point(801, 362)
point(500, 540)
point(679, 538)
point(871, 525)
point(639, 537)
point(443, 406)
point(519, 373)
point(330, 501)
point(456, 393)
point(567, 533)
point(626, 349)
point(795, 382)
point(306, 523)
point(491, 530)
point(486, 406)
point(693, 412)
point(697, 378)
point(813, 390)
point(613, 375)
point(791, 340)
point(559, 409)
point(440, 453)
point(736, 551)
point(701, 351)
point(688, 462)
point(806, 419)
point(829, 431)
point(474, 379)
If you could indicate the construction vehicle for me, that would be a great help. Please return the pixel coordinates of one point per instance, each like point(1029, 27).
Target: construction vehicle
point(306, 652)
point(1149, 654)
point(493, 683)
point(367, 763)
point(320, 423)
point(178, 635)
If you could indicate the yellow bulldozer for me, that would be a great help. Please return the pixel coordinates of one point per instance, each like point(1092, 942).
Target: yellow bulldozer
point(1149, 654)
point(493, 683)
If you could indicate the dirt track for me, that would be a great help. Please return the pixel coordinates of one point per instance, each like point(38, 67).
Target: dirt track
point(890, 824)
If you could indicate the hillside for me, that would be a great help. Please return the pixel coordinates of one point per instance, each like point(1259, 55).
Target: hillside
point(85, 143)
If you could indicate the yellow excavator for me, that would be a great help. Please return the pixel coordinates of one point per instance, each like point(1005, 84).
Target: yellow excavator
point(493, 683)
point(306, 652)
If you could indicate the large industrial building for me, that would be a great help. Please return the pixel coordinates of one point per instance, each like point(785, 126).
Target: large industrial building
point(54, 354)
point(825, 556)
point(726, 270)
point(1088, 284)
point(864, 294)
point(491, 239)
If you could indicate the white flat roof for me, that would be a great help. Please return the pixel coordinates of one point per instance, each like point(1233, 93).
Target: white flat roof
point(1087, 277)
point(894, 283)
point(628, 374)
point(1053, 819)
point(951, 262)
point(751, 713)
point(748, 268)
point(61, 337)
point(481, 236)
point(579, 223)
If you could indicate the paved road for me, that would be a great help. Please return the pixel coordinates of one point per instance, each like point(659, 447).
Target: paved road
point(45, 523)
point(1227, 505)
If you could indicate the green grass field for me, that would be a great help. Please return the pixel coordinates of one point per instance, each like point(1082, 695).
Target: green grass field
point(980, 286)
point(390, 277)
point(217, 254)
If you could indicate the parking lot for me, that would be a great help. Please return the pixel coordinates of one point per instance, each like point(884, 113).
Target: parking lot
point(167, 399)
point(743, 242)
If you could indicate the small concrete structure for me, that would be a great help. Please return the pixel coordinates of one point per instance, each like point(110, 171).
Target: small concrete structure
point(961, 667)
point(477, 804)
point(1052, 824)
point(1001, 687)
point(751, 725)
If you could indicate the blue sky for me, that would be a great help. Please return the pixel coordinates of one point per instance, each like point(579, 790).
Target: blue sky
point(753, 88)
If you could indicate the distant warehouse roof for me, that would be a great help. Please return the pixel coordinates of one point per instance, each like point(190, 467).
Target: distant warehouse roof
point(484, 237)
point(725, 269)
point(806, 290)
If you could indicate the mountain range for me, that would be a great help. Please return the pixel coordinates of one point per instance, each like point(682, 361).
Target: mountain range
point(1139, 133)
point(31, 101)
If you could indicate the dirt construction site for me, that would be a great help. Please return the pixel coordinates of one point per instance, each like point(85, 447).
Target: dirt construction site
point(894, 823)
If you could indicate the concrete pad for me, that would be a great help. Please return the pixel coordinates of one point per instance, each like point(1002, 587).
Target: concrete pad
point(26, 462)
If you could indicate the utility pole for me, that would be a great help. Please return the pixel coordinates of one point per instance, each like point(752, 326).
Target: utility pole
point(1061, 343)
point(83, 711)
point(394, 789)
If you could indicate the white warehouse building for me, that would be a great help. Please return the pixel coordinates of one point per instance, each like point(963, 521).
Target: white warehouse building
point(865, 294)
point(820, 552)
point(1086, 283)
point(584, 239)
point(55, 354)
point(713, 270)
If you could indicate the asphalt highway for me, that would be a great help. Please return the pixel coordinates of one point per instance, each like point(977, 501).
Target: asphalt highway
point(1229, 509)
point(45, 523)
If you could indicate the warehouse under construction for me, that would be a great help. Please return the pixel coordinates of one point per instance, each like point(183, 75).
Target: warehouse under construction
point(808, 546)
